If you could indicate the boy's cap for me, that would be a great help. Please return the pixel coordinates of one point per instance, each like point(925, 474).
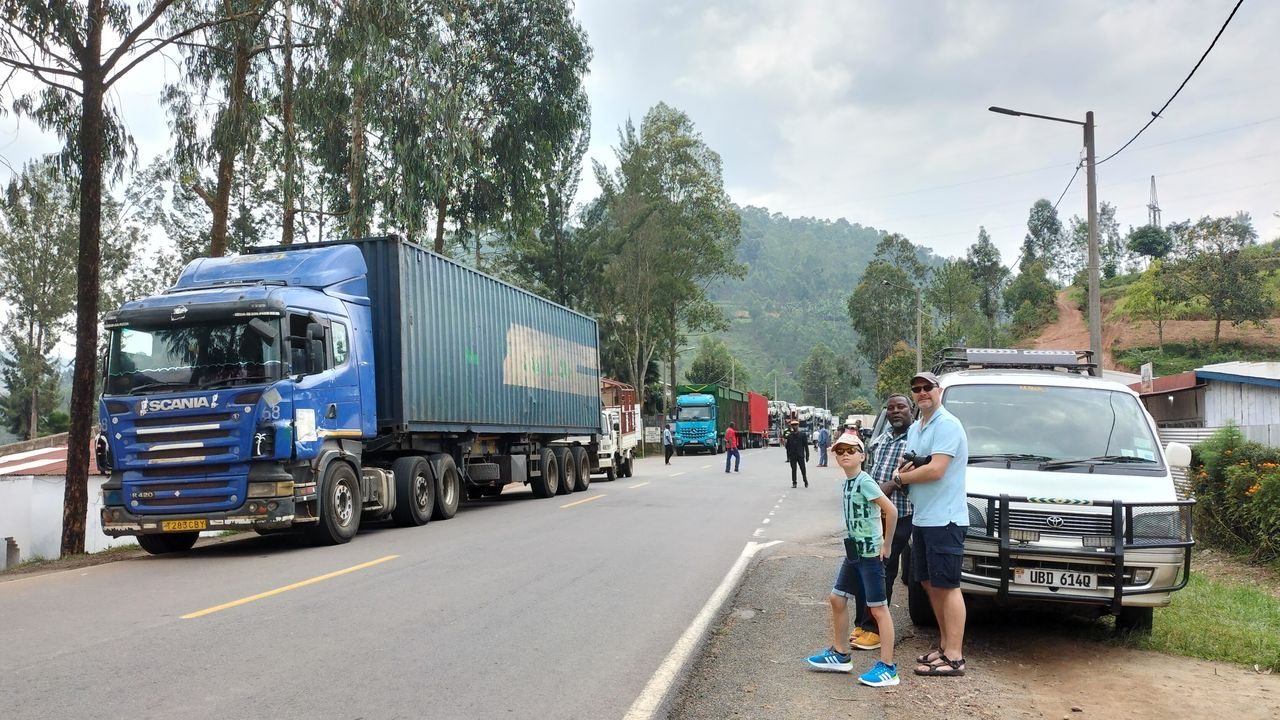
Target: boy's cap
point(926, 375)
point(848, 439)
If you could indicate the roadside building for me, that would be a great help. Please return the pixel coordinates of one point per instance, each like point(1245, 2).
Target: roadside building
point(1200, 401)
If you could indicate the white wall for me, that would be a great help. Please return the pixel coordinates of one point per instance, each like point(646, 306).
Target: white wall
point(31, 513)
point(1240, 403)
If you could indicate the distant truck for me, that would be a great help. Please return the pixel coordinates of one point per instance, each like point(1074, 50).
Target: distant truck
point(622, 428)
point(703, 412)
point(757, 420)
point(313, 387)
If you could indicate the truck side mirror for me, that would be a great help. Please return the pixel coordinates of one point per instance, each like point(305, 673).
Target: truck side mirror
point(315, 347)
point(615, 427)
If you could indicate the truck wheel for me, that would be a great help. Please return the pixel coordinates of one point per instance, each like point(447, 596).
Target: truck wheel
point(568, 472)
point(626, 467)
point(1135, 620)
point(415, 491)
point(547, 482)
point(168, 543)
point(448, 488)
point(918, 606)
point(679, 452)
point(339, 506)
point(583, 465)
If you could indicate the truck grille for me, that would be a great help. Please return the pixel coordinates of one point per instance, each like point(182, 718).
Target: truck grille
point(181, 464)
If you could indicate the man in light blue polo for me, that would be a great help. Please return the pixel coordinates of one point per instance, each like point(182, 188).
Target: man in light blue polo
point(940, 520)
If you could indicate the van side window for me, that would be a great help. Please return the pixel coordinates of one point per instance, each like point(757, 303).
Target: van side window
point(341, 346)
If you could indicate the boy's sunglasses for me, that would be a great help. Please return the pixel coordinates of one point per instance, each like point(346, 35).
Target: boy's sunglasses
point(918, 389)
point(846, 451)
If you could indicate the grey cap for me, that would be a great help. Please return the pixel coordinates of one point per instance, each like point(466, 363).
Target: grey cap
point(926, 375)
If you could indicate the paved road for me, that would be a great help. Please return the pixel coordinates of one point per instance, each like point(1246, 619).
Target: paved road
point(518, 607)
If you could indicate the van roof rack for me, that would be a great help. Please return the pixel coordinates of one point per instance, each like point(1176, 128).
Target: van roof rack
point(963, 358)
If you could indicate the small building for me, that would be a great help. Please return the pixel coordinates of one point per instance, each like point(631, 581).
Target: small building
point(1245, 394)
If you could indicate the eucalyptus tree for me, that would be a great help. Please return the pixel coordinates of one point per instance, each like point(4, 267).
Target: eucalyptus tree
point(60, 45)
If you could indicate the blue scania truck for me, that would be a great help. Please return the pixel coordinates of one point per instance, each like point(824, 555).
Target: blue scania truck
point(312, 386)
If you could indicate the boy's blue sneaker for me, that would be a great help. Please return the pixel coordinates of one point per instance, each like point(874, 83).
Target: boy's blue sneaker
point(880, 675)
point(831, 661)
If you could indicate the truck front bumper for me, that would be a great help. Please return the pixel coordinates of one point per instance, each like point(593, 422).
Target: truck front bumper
point(256, 514)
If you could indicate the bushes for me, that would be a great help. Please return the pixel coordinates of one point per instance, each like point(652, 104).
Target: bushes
point(1238, 493)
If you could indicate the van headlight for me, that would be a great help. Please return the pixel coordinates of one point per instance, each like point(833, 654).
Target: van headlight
point(1161, 524)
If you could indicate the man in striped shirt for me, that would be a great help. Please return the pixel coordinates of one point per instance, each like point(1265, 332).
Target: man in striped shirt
point(886, 452)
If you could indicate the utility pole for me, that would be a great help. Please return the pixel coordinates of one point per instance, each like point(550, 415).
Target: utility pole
point(1095, 304)
point(919, 323)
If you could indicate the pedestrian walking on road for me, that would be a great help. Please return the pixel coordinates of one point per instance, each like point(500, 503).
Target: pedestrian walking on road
point(731, 448)
point(885, 454)
point(941, 519)
point(869, 517)
point(798, 452)
point(824, 439)
point(668, 446)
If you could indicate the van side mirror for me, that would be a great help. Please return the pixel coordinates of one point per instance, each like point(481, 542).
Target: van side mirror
point(1177, 454)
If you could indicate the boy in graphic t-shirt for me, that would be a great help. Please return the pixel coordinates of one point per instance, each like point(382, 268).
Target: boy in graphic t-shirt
point(862, 570)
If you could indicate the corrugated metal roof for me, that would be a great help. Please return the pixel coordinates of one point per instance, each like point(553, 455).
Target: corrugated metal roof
point(1171, 383)
point(1251, 373)
point(45, 461)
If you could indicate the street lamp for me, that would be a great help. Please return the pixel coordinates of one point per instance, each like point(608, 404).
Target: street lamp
point(919, 316)
point(1091, 181)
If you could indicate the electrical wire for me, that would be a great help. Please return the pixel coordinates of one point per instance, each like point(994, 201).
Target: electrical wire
point(1158, 113)
point(1068, 187)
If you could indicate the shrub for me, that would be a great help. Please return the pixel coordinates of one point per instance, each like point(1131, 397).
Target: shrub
point(1238, 493)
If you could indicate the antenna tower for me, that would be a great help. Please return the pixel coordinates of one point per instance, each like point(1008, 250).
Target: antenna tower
point(1153, 205)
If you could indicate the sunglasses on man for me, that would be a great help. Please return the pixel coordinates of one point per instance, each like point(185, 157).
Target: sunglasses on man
point(922, 389)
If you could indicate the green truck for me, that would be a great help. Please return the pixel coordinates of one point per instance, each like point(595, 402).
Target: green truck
point(703, 412)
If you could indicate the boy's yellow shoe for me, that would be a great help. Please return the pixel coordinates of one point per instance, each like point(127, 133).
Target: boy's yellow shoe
point(867, 641)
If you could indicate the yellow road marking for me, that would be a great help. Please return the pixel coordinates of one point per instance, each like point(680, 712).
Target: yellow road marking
point(586, 500)
point(286, 588)
point(633, 487)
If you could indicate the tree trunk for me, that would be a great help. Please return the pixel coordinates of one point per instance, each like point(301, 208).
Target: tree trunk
point(355, 173)
point(232, 136)
point(91, 141)
point(442, 207)
point(288, 202)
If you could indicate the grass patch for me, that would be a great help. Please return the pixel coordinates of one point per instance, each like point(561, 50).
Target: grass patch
point(1218, 621)
point(1178, 357)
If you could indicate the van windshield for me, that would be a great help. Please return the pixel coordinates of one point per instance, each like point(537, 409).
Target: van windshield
point(1054, 423)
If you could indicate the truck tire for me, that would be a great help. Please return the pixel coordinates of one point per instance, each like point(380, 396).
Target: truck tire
point(679, 451)
point(611, 472)
point(918, 606)
point(568, 472)
point(338, 506)
point(448, 488)
point(1134, 620)
point(626, 467)
point(415, 491)
point(168, 542)
point(547, 482)
point(583, 465)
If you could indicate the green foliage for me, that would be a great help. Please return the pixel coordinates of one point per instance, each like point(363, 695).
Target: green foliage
point(1150, 241)
point(1044, 239)
point(1217, 270)
point(1237, 487)
point(1154, 297)
point(883, 307)
point(990, 276)
point(894, 374)
point(1180, 357)
point(1031, 294)
point(715, 365)
point(954, 298)
point(824, 377)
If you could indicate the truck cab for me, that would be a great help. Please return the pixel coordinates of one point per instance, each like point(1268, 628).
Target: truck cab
point(696, 416)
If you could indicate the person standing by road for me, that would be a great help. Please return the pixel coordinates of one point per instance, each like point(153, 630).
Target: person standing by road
point(798, 452)
point(824, 439)
point(731, 448)
point(862, 570)
point(668, 444)
point(886, 454)
point(940, 519)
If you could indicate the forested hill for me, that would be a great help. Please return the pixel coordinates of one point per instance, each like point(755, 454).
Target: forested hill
point(795, 295)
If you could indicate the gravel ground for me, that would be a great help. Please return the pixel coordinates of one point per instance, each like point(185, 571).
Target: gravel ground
point(1020, 665)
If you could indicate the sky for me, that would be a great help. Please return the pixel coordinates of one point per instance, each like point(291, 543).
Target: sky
point(876, 110)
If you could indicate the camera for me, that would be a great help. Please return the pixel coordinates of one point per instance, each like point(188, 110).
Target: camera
point(916, 460)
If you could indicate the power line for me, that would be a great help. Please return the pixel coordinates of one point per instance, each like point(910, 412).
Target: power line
point(1159, 112)
point(1068, 187)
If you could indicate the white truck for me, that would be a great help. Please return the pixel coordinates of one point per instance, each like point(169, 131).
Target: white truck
point(621, 429)
point(1070, 494)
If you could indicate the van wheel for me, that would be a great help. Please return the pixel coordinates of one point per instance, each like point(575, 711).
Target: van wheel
point(1135, 620)
point(583, 465)
point(415, 491)
point(168, 543)
point(568, 472)
point(448, 488)
point(339, 506)
point(547, 482)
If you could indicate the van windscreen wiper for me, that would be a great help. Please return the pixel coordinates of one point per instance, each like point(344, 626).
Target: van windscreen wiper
point(1098, 460)
point(1008, 458)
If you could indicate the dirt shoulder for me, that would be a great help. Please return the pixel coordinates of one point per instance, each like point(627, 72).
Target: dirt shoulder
point(1019, 665)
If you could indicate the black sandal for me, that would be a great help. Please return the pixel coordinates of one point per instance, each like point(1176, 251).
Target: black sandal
point(943, 667)
point(930, 657)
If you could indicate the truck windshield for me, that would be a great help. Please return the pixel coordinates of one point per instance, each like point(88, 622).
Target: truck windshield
point(1037, 423)
point(183, 357)
point(694, 413)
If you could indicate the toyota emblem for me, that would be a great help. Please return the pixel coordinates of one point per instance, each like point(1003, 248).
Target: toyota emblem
point(1053, 521)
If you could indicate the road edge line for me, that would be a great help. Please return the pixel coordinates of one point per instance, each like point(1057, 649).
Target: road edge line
point(657, 692)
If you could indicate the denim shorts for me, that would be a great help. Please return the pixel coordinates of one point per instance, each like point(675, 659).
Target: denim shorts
point(936, 553)
point(862, 578)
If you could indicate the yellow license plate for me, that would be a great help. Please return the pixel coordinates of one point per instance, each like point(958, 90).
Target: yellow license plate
point(179, 525)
